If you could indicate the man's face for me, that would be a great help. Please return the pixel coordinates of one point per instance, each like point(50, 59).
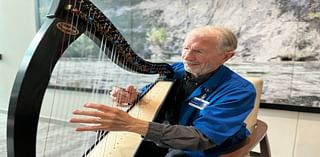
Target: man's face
point(201, 55)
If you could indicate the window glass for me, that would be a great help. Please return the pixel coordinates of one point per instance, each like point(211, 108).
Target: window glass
point(277, 44)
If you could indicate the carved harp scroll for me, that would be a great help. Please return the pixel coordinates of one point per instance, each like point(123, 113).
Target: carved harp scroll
point(67, 20)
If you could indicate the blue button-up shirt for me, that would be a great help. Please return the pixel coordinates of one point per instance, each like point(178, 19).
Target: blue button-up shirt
point(231, 99)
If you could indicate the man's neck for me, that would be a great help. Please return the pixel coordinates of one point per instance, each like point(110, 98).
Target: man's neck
point(201, 75)
point(197, 77)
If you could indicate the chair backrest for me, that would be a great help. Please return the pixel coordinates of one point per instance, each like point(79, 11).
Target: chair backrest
point(251, 120)
point(257, 128)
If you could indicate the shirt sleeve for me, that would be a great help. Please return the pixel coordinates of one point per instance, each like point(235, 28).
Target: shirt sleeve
point(177, 137)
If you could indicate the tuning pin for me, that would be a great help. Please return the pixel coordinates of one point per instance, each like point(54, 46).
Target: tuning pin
point(68, 7)
point(75, 10)
point(90, 19)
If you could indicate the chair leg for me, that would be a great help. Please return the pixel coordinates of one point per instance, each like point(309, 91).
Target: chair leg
point(265, 147)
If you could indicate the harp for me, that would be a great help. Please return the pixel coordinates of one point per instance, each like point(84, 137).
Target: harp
point(66, 22)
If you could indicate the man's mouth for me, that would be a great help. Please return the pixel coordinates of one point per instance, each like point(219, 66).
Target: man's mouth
point(191, 64)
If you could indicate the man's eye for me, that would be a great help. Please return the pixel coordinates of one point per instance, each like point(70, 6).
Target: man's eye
point(198, 51)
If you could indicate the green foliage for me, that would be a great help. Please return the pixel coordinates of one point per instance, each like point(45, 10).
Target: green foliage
point(157, 35)
point(314, 15)
point(82, 47)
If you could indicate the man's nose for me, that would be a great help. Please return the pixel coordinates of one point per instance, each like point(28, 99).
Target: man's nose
point(187, 55)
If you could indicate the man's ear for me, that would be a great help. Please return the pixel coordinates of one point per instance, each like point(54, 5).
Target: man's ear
point(228, 55)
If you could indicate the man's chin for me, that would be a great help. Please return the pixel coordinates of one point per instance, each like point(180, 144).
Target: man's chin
point(191, 67)
point(194, 72)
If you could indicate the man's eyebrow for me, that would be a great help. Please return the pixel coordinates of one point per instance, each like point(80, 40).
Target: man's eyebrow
point(199, 49)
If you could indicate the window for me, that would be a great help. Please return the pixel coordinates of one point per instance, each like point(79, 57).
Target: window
point(42, 8)
point(281, 48)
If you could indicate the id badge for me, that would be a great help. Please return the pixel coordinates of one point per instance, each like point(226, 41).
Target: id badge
point(198, 103)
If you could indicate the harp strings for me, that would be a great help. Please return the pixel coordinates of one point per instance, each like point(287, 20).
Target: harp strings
point(53, 112)
point(98, 90)
point(107, 46)
point(70, 100)
point(67, 99)
point(86, 136)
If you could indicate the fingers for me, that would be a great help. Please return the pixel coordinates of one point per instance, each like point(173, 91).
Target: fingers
point(85, 120)
point(101, 118)
point(101, 110)
point(121, 95)
point(90, 128)
point(99, 107)
point(93, 113)
point(120, 99)
point(131, 89)
point(116, 91)
point(100, 114)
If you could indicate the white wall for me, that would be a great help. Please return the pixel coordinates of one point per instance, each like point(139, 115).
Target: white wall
point(17, 28)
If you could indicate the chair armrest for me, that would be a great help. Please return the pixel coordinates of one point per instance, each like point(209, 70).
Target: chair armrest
point(258, 136)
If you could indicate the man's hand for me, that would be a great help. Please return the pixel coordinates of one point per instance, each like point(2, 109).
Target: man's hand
point(108, 118)
point(122, 96)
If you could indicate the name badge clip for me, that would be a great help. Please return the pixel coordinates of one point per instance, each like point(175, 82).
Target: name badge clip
point(198, 103)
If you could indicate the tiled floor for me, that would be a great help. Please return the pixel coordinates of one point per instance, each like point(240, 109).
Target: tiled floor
point(291, 134)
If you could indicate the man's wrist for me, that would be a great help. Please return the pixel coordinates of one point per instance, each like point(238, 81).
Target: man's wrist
point(139, 126)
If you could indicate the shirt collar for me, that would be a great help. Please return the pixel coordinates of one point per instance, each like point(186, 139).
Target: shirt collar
point(197, 80)
point(211, 83)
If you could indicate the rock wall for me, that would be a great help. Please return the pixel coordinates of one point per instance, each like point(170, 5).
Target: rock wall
point(270, 30)
point(278, 39)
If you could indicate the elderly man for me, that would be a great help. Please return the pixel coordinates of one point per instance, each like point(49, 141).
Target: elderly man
point(210, 106)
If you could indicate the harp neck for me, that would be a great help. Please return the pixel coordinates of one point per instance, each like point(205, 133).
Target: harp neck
point(104, 31)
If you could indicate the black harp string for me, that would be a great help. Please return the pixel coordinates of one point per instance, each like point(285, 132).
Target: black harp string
point(105, 90)
point(78, 89)
point(67, 98)
point(102, 92)
point(61, 70)
point(95, 82)
point(109, 141)
point(127, 58)
point(97, 94)
point(55, 92)
point(74, 22)
point(84, 63)
point(64, 65)
point(117, 56)
point(94, 89)
point(105, 48)
point(25, 99)
point(57, 98)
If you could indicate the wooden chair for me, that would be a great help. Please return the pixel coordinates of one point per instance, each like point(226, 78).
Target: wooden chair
point(257, 128)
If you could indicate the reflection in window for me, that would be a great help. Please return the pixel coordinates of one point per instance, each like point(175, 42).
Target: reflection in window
point(42, 9)
point(281, 47)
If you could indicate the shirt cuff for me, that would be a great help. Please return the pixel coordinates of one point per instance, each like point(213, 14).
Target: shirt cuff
point(154, 132)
